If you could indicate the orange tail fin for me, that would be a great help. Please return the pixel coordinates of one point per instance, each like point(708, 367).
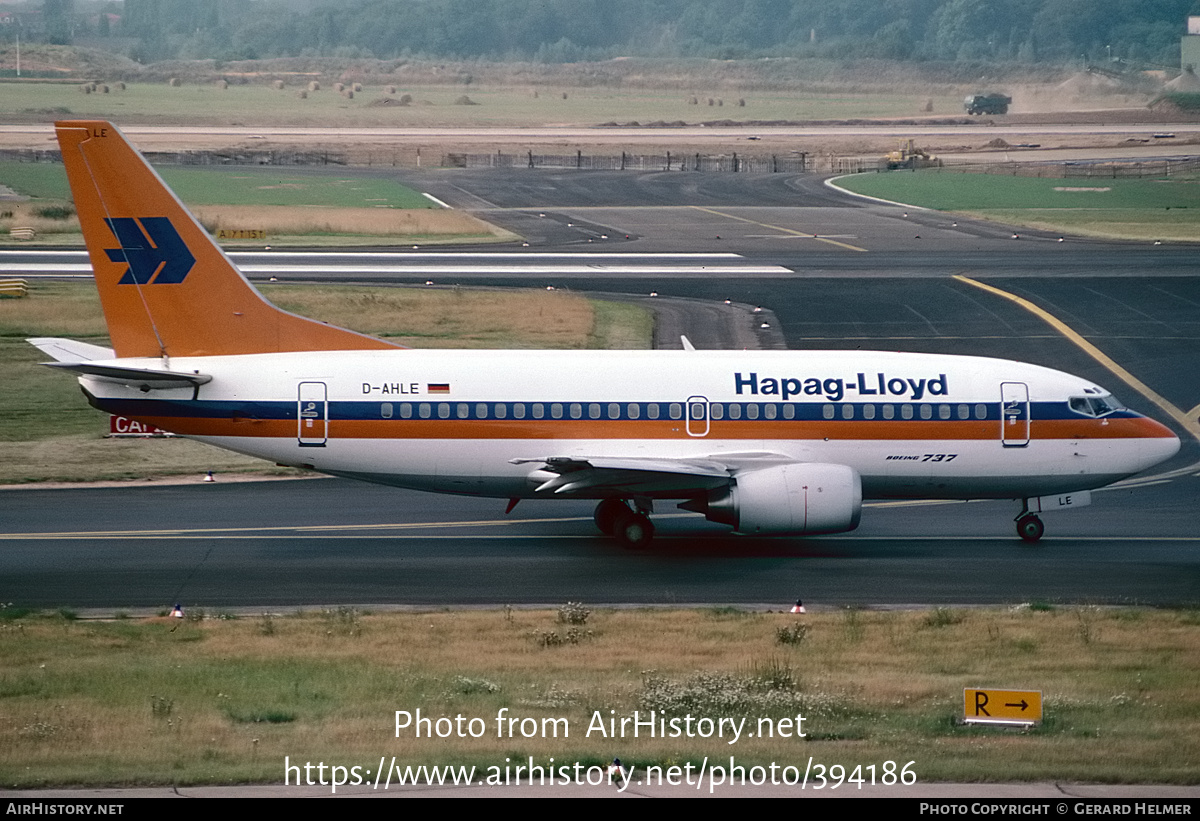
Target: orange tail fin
point(166, 287)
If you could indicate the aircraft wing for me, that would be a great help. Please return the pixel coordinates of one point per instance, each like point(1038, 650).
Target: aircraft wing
point(643, 475)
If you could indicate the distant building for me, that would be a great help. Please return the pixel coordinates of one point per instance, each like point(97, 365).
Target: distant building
point(1189, 45)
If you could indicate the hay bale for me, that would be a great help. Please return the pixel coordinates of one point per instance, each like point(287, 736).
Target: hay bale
point(302, 94)
point(465, 100)
point(277, 85)
point(389, 90)
point(710, 101)
point(103, 89)
point(348, 93)
point(86, 88)
point(693, 101)
point(120, 86)
point(222, 84)
point(339, 87)
point(720, 102)
point(564, 95)
point(741, 102)
point(928, 106)
point(357, 87)
point(405, 99)
point(174, 82)
point(314, 86)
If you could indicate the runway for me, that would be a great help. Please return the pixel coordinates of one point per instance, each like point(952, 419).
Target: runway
point(843, 274)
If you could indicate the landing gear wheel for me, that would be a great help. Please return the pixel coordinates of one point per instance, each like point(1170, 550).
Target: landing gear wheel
point(1030, 528)
point(607, 513)
point(634, 530)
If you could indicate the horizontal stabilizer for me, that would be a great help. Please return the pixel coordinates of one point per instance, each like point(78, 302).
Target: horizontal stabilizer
point(143, 379)
point(68, 350)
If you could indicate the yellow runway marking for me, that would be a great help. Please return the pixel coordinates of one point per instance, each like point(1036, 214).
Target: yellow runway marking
point(1186, 421)
point(845, 245)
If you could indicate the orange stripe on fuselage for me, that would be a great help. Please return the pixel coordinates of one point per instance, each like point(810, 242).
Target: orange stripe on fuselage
point(551, 429)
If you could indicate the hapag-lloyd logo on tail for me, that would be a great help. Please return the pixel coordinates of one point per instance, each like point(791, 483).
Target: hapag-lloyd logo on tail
point(155, 252)
point(834, 389)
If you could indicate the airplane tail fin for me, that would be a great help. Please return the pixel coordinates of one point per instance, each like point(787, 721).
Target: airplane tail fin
point(167, 289)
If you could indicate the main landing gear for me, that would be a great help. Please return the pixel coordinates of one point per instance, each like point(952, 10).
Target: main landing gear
point(631, 527)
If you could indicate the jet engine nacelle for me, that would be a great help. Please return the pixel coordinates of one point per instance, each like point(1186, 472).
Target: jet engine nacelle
point(803, 498)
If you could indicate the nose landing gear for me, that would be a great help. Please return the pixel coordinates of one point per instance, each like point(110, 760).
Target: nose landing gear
point(1030, 527)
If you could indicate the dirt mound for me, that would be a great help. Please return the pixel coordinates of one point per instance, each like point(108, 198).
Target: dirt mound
point(1188, 81)
point(997, 143)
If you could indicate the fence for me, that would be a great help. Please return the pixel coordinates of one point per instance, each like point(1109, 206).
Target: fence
point(752, 164)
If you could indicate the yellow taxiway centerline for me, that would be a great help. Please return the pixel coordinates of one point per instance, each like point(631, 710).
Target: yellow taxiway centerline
point(845, 245)
point(1185, 420)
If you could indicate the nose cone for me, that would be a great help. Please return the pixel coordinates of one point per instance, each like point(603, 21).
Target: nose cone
point(1159, 444)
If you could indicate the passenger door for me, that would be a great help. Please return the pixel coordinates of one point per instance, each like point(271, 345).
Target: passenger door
point(1014, 414)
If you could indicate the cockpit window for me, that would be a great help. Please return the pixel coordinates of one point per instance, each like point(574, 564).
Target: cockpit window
point(1094, 405)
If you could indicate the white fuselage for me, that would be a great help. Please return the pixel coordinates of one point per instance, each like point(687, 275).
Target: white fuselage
point(477, 422)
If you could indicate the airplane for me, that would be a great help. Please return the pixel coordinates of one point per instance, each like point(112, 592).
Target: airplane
point(767, 442)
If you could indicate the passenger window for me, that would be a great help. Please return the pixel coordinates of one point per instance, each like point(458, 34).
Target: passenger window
point(926, 412)
point(676, 410)
point(614, 410)
point(716, 410)
point(770, 411)
point(964, 411)
point(425, 410)
point(906, 411)
point(539, 410)
point(943, 411)
point(827, 411)
point(463, 410)
point(889, 412)
point(789, 411)
point(519, 410)
point(443, 410)
point(385, 410)
point(981, 411)
point(752, 411)
point(735, 411)
point(576, 410)
point(652, 410)
point(501, 410)
point(634, 410)
point(480, 410)
point(556, 410)
point(868, 411)
point(847, 411)
point(406, 410)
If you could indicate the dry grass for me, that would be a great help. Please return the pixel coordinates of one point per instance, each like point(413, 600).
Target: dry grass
point(455, 317)
point(220, 700)
point(401, 226)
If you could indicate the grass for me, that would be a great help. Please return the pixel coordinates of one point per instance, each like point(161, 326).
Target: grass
point(223, 700)
point(433, 105)
point(294, 207)
point(1167, 208)
point(49, 433)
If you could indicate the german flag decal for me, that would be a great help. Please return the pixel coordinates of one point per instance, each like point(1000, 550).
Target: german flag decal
point(438, 387)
